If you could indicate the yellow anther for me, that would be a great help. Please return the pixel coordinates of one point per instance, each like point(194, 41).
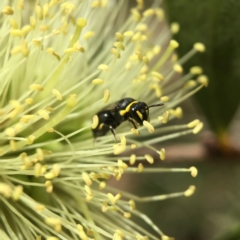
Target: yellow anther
point(53, 2)
point(40, 154)
point(164, 98)
point(116, 236)
point(10, 132)
point(190, 191)
point(52, 238)
point(175, 27)
point(119, 36)
point(133, 146)
point(36, 87)
point(95, 122)
point(39, 12)
point(118, 148)
point(13, 24)
point(174, 44)
point(149, 126)
point(196, 70)
point(118, 196)
point(45, 9)
point(97, 81)
point(149, 158)
point(190, 84)
point(68, 7)
point(160, 14)
point(132, 204)
point(5, 190)
point(146, 60)
point(16, 32)
point(165, 117)
point(72, 101)
point(49, 175)
point(193, 124)
point(156, 50)
point(115, 52)
point(111, 198)
point(135, 131)
point(26, 29)
point(44, 169)
point(149, 12)
point(37, 170)
point(132, 159)
point(194, 171)
point(177, 68)
point(102, 185)
point(140, 167)
point(33, 22)
point(21, 4)
point(162, 154)
point(13, 145)
point(122, 164)
point(56, 170)
point(81, 232)
point(86, 178)
point(120, 233)
point(17, 191)
point(123, 140)
point(88, 190)
point(136, 36)
point(203, 79)
point(128, 33)
point(44, 114)
point(136, 15)
point(119, 45)
point(198, 128)
point(127, 214)
point(157, 75)
point(7, 10)
point(57, 94)
point(39, 207)
point(82, 22)
point(106, 95)
point(200, 47)
point(139, 56)
point(103, 67)
point(104, 206)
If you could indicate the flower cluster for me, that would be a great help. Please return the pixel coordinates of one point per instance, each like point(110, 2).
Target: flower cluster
point(60, 63)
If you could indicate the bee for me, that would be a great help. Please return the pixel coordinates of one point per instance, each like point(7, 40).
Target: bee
point(126, 109)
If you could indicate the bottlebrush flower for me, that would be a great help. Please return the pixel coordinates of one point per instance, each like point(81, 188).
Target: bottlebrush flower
point(61, 62)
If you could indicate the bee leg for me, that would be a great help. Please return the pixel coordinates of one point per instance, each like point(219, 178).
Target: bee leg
point(112, 130)
point(131, 121)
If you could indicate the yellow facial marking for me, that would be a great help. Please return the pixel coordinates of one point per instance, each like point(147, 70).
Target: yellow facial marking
point(140, 115)
point(127, 109)
point(100, 126)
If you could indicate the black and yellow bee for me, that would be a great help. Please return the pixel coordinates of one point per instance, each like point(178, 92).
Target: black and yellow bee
point(126, 109)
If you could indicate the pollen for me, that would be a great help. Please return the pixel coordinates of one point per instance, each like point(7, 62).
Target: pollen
point(140, 167)
point(7, 10)
point(106, 95)
point(190, 84)
point(102, 185)
point(198, 128)
point(95, 122)
point(200, 47)
point(88, 190)
point(81, 232)
point(10, 132)
point(174, 27)
point(189, 191)
point(13, 145)
point(174, 44)
point(127, 214)
point(165, 117)
point(57, 94)
point(149, 126)
point(157, 75)
point(193, 124)
point(203, 80)
point(149, 158)
point(132, 159)
point(36, 87)
point(5, 190)
point(43, 113)
point(149, 12)
point(111, 198)
point(86, 178)
point(164, 98)
point(119, 45)
point(118, 149)
point(194, 171)
point(103, 67)
point(162, 154)
point(39, 12)
point(128, 33)
point(132, 204)
point(37, 170)
point(196, 70)
point(177, 68)
point(30, 139)
point(97, 81)
point(17, 192)
point(135, 131)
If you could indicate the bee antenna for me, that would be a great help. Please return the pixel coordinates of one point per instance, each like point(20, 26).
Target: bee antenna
point(155, 105)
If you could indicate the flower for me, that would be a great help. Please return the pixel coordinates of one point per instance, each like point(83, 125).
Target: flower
point(61, 62)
